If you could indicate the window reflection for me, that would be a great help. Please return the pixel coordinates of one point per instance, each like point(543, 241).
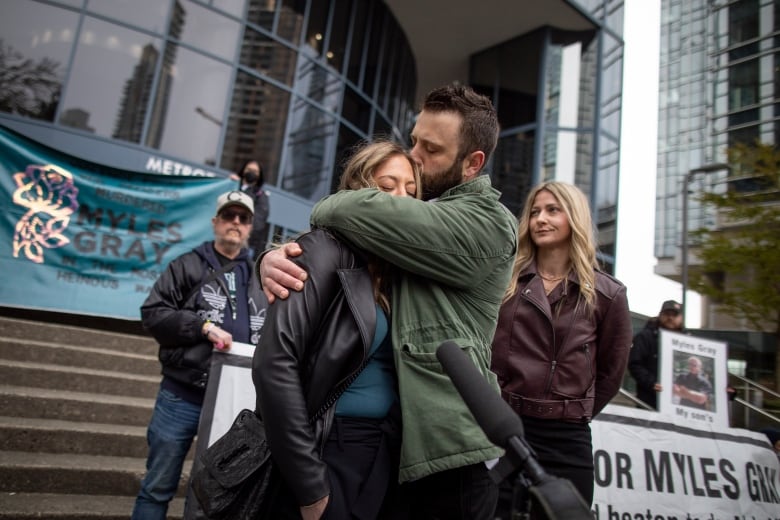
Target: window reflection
point(291, 20)
point(258, 113)
point(269, 57)
point(189, 106)
point(36, 41)
point(374, 45)
point(339, 32)
point(347, 142)
point(356, 110)
point(207, 30)
point(234, 7)
point(112, 68)
point(318, 83)
point(262, 13)
point(388, 74)
point(584, 163)
point(513, 66)
point(134, 104)
point(158, 73)
point(513, 168)
point(315, 32)
point(148, 14)
point(358, 38)
point(310, 151)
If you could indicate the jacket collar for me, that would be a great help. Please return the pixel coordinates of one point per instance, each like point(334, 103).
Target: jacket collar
point(479, 184)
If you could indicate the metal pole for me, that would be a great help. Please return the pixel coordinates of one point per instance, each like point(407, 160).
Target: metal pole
point(686, 183)
point(709, 168)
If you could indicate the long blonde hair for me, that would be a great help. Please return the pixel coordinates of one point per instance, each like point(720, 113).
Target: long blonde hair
point(582, 242)
point(359, 173)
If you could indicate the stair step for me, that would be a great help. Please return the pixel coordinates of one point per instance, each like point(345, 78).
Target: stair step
point(56, 436)
point(75, 403)
point(22, 373)
point(14, 349)
point(80, 336)
point(49, 506)
point(43, 403)
point(25, 472)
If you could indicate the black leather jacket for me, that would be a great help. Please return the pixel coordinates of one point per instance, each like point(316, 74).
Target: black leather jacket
point(179, 304)
point(313, 345)
point(555, 360)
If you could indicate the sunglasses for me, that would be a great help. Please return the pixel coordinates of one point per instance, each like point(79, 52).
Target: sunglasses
point(230, 215)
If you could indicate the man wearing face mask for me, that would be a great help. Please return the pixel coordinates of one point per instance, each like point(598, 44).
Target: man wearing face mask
point(250, 180)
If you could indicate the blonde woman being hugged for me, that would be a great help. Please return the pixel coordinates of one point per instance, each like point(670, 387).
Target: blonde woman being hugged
point(563, 335)
point(327, 349)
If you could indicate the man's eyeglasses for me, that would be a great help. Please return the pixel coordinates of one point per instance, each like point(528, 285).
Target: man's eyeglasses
point(230, 215)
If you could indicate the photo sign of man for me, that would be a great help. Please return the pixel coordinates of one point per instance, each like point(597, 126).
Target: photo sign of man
point(694, 377)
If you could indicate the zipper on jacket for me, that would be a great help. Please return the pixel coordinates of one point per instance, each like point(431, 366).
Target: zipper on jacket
point(334, 396)
point(554, 363)
point(586, 350)
point(553, 366)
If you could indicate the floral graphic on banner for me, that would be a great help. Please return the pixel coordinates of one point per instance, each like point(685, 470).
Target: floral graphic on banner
point(50, 196)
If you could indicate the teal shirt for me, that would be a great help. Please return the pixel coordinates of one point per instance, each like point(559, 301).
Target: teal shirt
point(373, 392)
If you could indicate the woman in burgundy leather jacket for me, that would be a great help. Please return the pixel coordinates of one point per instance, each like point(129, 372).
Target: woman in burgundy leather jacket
point(326, 352)
point(563, 335)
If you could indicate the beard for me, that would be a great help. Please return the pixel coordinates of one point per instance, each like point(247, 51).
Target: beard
point(436, 183)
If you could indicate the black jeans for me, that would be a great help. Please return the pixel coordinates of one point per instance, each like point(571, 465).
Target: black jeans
point(465, 493)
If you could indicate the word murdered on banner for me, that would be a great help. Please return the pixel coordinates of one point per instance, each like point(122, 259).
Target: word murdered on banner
point(652, 466)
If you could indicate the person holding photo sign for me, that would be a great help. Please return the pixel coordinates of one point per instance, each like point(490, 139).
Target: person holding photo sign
point(643, 360)
point(206, 298)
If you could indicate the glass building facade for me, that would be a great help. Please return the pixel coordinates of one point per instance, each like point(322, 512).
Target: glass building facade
point(719, 86)
point(196, 87)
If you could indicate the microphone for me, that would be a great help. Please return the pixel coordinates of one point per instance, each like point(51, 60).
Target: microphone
point(502, 426)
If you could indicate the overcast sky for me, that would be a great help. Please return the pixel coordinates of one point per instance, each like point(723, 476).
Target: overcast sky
point(636, 222)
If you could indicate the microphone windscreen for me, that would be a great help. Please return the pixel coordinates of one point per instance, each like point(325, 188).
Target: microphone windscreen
point(494, 416)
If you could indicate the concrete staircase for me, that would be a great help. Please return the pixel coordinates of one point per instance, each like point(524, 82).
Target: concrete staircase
point(74, 406)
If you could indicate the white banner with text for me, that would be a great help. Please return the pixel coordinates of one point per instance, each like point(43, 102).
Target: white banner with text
point(652, 466)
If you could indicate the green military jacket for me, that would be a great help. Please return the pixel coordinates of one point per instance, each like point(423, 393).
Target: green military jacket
point(456, 254)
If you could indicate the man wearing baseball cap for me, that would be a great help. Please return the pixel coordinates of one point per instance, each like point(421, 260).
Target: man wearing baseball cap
point(235, 198)
point(643, 359)
point(206, 298)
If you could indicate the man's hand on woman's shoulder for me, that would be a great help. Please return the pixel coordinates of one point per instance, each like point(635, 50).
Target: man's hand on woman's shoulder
point(278, 274)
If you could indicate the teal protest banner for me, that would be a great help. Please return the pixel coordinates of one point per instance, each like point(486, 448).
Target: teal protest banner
point(81, 238)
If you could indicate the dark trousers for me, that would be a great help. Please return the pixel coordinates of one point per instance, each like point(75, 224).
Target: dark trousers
point(465, 493)
point(362, 457)
point(563, 449)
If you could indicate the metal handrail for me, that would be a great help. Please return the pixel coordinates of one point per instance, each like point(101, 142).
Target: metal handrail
point(634, 399)
point(641, 404)
point(756, 385)
point(757, 409)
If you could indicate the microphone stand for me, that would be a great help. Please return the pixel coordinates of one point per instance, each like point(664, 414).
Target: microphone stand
point(521, 501)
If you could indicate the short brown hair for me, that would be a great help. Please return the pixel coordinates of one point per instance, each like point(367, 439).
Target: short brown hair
point(479, 126)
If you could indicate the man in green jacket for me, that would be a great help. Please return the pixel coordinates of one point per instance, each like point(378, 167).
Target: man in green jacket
point(456, 256)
